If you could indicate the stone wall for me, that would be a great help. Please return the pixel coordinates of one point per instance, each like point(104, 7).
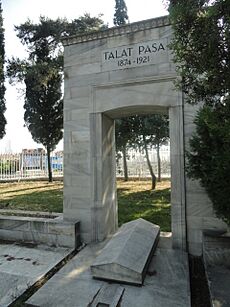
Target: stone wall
point(40, 230)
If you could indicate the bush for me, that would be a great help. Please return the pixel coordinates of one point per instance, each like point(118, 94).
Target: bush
point(209, 156)
point(9, 166)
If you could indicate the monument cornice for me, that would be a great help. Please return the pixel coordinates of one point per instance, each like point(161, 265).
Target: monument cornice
point(117, 31)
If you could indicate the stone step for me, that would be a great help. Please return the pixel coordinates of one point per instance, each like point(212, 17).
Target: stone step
point(126, 257)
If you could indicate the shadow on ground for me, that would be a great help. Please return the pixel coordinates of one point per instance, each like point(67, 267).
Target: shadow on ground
point(47, 201)
point(154, 206)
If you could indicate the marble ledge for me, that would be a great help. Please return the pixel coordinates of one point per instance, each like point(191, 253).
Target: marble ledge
point(116, 31)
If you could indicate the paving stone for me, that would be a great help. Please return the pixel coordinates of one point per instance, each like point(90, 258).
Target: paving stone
point(126, 256)
point(166, 283)
point(21, 267)
point(219, 281)
point(12, 286)
point(109, 296)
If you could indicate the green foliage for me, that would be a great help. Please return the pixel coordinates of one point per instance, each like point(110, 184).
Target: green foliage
point(154, 127)
point(2, 77)
point(141, 133)
point(209, 159)
point(130, 131)
point(124, 132)
point(85, 24)
point(43, 103)
point(43, 39)
point(121, 15)
point(201, 47)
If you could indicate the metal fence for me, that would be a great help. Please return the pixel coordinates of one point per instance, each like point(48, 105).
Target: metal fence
point(137, 165)
point(29, 165)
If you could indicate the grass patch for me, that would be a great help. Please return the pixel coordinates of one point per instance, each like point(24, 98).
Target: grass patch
point(32, 196)
point(135, 199)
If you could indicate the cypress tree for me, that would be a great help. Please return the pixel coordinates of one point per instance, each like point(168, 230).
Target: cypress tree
point(121, 15)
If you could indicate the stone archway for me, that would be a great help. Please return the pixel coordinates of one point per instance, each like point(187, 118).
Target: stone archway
point(121, 71)
point(157, 96)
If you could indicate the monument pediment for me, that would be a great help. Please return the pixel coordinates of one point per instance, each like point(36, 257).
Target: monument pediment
point(115, 31)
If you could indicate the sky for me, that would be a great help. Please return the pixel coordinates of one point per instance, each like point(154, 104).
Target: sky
point(16, 12)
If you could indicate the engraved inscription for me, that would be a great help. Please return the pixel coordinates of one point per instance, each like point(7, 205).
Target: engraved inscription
point(135, 55)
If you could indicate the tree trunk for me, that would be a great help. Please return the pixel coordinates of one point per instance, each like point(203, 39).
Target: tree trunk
point(49, 164)
point(154, 179)
point(158, 163)
point(125, 167)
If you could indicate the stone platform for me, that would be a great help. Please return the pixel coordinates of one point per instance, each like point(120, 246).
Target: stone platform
point(166, 283)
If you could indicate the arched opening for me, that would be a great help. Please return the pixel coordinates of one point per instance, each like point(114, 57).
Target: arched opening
point(143, 168)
